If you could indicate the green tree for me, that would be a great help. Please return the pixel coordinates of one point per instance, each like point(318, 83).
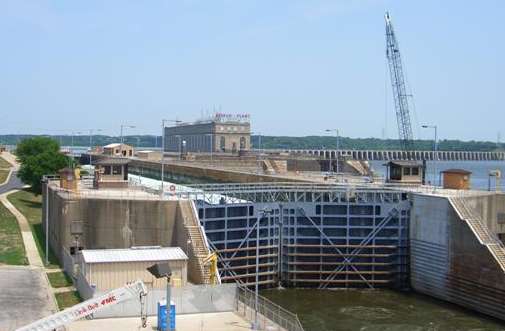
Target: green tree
point(39, 156)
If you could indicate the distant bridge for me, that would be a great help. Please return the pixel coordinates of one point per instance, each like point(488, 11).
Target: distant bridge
point(383, 155)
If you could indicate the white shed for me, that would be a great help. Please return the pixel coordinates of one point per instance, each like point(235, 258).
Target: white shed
point(112, 268)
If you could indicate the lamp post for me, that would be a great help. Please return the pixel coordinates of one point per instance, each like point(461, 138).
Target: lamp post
point(435, 151)
point(259, 151)
point(163, 121)
point(338, 148)
point(160, 270)
point(211, 145)
point(124, 126)
point(91, 142)
point(262, 213)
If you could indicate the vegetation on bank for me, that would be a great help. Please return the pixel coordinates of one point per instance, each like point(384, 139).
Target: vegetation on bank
point(67, 299)
point(12, 250)
point(4, 173)
point(30, 205)
point(59, 279)
point(39, 156)
point(308, 142)
point(4, 164)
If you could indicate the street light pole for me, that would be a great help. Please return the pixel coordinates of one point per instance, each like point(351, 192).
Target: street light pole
point(124, 126)
point(338, 148)
point(162, 157)
point(435, 151)
point(262, 212)
point(91, 142)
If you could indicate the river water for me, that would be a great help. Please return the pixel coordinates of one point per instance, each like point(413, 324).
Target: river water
point(377, 310)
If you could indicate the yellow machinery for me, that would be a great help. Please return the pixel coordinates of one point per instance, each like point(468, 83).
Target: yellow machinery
point(211, 261)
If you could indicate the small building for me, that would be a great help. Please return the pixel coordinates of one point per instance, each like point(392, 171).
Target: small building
point(118, 149)
point(404, 172)
point(149, 155)
point(111, 173)
point(69, 177)
point(107, 269)
point(458, 179)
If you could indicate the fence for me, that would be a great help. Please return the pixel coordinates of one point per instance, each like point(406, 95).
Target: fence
point(191, 299)
point(270, 315)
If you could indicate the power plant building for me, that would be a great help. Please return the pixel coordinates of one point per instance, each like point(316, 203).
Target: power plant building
point(224, 133)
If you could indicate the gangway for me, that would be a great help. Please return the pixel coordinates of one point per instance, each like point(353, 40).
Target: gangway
point(88, 307)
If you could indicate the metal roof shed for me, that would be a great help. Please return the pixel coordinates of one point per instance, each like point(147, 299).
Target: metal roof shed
point(111, 268)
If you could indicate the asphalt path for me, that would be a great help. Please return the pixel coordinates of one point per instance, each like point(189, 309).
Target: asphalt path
point(13, 183)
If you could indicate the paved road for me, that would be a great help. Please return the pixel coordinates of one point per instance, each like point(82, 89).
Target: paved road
point(13, 183)
point(24, 296)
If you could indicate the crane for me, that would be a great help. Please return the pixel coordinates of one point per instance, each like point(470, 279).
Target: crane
point(88, 307)
point(399, 90)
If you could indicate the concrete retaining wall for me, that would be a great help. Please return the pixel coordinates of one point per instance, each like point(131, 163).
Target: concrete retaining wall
point(448, 261)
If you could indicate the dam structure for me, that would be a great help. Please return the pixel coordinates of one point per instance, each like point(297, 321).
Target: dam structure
point(396, 155)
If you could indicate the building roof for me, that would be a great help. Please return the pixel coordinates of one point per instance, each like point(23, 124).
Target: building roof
point(134, 254)
point(113, 145)
point(405, 163)
point(112, 161)
point(457, 171)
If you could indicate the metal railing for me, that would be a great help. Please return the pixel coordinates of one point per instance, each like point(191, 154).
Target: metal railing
point(270, 314)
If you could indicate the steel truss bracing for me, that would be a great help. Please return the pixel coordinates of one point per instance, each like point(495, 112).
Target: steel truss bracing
point(399, 89)
point(319, 236)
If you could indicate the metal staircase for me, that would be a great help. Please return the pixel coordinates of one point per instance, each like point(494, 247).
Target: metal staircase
point(481, 231)
point(198, 248)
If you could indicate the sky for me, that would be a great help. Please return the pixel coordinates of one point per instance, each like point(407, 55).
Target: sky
point(297, 67)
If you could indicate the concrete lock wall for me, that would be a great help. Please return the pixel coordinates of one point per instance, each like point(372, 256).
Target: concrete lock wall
point(112, 223)
point(118, 223)
point(448, 261)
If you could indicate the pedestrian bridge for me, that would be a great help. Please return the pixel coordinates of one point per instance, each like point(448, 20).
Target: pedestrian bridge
point(386, 155)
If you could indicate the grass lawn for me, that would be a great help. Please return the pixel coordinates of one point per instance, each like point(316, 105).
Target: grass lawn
point(4, 164)
point(3, 175)
point(12, 250)
point(30, 205)
point(67, 299)
point(59, 279)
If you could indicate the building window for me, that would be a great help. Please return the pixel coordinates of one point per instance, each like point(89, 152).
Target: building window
point(406, 171)
point(242, 143)
point(116, 170)
point(415, 171)
point(222, 143)
point(106, 170)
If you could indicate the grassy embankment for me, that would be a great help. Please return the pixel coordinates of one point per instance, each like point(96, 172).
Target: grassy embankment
point(30, 205)
point(12, 250)
point(4, 170)
point(67, 299)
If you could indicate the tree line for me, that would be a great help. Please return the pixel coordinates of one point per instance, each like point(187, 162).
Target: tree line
point(275, 142)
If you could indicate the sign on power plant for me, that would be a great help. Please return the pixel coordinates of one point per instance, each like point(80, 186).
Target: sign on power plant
point(224, 117)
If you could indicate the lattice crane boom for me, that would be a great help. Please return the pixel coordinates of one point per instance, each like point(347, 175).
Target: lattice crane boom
point(399, 89)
